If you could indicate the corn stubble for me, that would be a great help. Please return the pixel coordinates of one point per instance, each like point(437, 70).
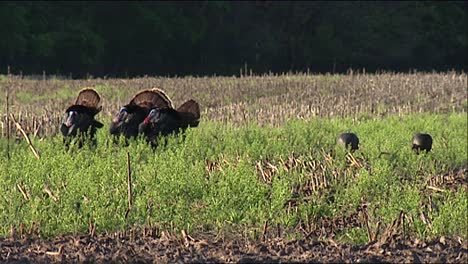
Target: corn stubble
point(266, 100)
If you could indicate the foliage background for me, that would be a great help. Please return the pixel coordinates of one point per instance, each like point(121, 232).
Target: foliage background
point(125, 39)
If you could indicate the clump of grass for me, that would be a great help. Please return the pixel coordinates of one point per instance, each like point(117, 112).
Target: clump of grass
point(452, 215)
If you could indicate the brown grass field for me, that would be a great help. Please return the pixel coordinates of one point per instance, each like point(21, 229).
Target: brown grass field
point(267, 100)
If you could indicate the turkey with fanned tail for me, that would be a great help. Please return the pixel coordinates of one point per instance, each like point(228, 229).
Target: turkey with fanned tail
point(131, 115)
point(162, 122)
point(80, 119)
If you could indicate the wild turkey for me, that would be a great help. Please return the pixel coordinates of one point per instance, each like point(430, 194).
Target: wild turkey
point(162, 122)
point(131, 115)
point(79, 118)
point(421, 142)
point(348, 139)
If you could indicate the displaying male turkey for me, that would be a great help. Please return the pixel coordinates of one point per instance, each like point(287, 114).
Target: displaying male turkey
point(421, 142)
point(162, 122)
point(131, 115)
point(79, 118)
point(348, 139)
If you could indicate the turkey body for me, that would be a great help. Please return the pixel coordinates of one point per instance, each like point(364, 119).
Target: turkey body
point(421, 142)
point(127, 124)
point(130, 116)
point(163, 122)
point(79, 120)
point(348, 139)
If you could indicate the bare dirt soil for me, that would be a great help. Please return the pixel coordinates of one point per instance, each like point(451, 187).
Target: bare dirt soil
point(145, 246)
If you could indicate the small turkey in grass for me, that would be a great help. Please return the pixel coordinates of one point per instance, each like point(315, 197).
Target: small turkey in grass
point(421, 142)
point(80, 117)
point(131, 115)
point(162, 122)
point(348, 139)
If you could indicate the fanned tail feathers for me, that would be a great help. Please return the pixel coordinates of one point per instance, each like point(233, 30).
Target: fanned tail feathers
point(87, 102)
point(190, 112)
point(88, 97)
point(152, 98)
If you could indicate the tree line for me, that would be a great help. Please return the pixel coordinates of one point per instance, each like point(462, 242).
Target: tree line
point(125, 39)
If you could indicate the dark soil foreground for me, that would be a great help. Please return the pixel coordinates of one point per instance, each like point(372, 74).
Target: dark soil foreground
point(145, 247)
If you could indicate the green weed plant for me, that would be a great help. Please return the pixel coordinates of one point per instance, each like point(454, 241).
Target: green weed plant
point(209, 179)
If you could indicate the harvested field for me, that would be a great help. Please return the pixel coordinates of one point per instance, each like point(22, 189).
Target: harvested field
point(235, 191)
point(271, 100)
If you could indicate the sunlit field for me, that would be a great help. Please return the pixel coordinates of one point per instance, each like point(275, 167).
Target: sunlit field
point(263, 159)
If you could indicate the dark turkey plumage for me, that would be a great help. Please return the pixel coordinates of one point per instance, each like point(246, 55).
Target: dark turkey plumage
point(131, 115)
point(348, 139)
point(421, 142)
point(80, 119)
point(162, 122)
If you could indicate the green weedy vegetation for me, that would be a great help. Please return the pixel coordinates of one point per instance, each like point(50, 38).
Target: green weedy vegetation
point(212, 179)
